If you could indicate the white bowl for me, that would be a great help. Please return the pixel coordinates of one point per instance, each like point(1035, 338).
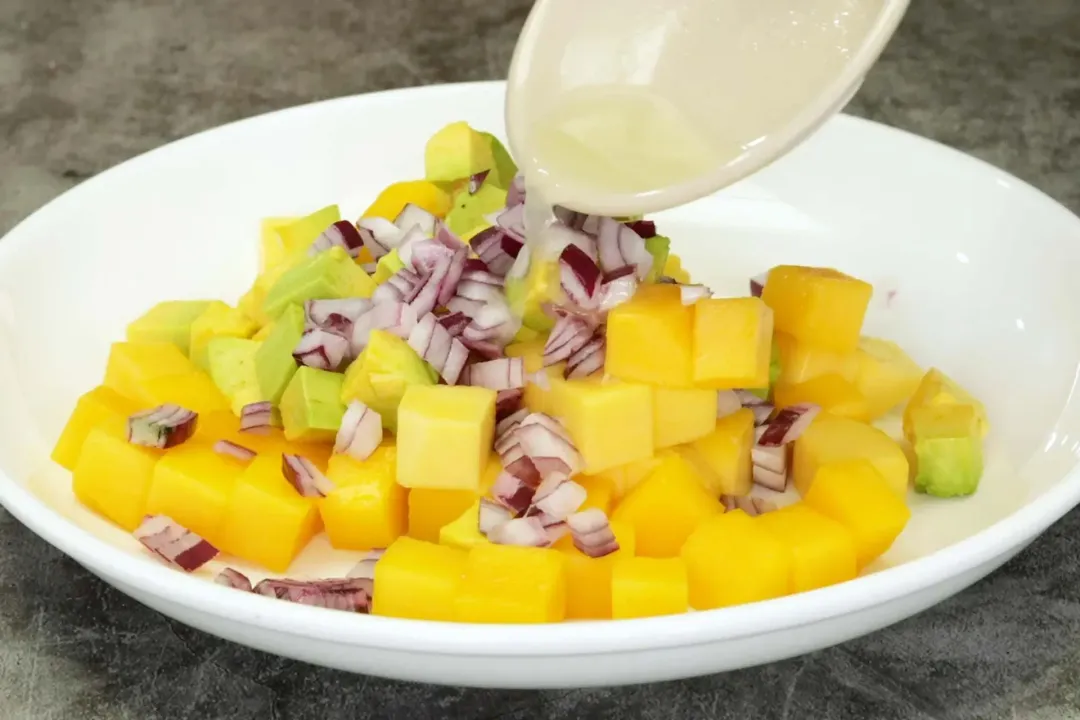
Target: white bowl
point(973, 270)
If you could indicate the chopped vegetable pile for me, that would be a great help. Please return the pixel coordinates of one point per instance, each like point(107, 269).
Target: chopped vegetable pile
point(506, 439)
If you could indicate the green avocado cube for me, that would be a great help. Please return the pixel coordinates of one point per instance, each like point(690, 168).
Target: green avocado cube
point(502, 174)
point(274, 362)
point(948, 449)
point(387, 265)
point(659, 247)
point(380, 376)
point(217, 320)
point(168, 321)
point(466, 215)
point(231, 363)
point(455, 152)
point(311, 407)
point(327, 275)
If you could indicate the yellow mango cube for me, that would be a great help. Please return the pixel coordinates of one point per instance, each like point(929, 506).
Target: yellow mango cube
point(724, 454)
point(822, 550)
point(673, 269)
point(600, 492)
point(192, 484)
point(194, 391)
point(666, 507)
point(217, 320)
point(856, 495)
point(271, 248)
point(884, 374)
point(539, 398)
point(431, 509)
point(831, 439)
point(367, 508)
point(131, 365)
point(444, 436)
point(821, 307)
point(464, 531)
point(267, 522)
point(800, 362)
point(508, 584)
point(609, 421)
point(948, 449)
point(937, 388)
point(418, 580)
point(682, 415)
point(422, 193)
point(731, 559)
point(650, 338)
point(832, 393)
point(112, 477)
point(168, 321)
point(625, 478)
point(732, 343)
point(646, 587)
point(102, 408)
point(588, 579)
point(297, 236)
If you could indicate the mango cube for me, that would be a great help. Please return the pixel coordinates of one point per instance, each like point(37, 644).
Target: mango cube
point(884, 374)
point(194, 391)
point(231, 364)
point(800, 361)
point(937, 388)
point(112, 477)
point(508, 584)
point(600, 492)
point(724, 454)
point(666, 507)
point(588, 579)
point(367, 508)
point(682, 415)
point(422, 193)
point(625, 478)
point(102, 408)
point(298, 235)
point(832, 393)
point(271, 248)
point(731, 559)
point(168, 321)
point(650, 338)
point(822, 550)
point(732, 343)
point(542, 399)
point(131, 364)
point(418, 580)
point(831, 439)
point(646, 587)
point(217, 320)
point(192, 484)
point(947, 443)
point(459, 421)
point(267, 522)
point(464, 531)
point(311, 407)
point(610, 422)
point(821, 307)
point(430, 509)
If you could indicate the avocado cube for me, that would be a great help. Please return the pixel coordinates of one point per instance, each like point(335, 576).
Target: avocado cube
point(330, 274)
point(274, 361)
point(231, 364)
point(455, 152)
point(168, 321)
point(311, 407)
point(947, 441)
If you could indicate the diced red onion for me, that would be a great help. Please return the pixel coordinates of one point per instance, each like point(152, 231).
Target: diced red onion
point(546, 443)
point(484, 348)
point(517, 463)
point(484, 277)
point(508, 403)
point(475, 264)
point(477, 181)
point(348, 594)
point(769, 464)
point(454, 323)
point(522, 531)
point(749, 504)
point(488, 244)
point(757, 284)
point(515, 194)
point(587, 360)
point(335, 315)
point(690, 294)
point(727, 403)
point(570, 334)
point(790, 422)
point(233, 579)
point(174, 543)
point(619, 245)
point(555, 531)
point(512, 220)
point(512, 492)
point(510, 422)
point(227, 447)
point(762, 409)
point(321, 349)
point(370, 267)
point(410, 240)
point(592, 533)
point(415, 216)
point(579, 276)
point(365, 567)
point(425, 295)
point(494, 321)
point(360, 433)
point(342, 234)
point(618, 290)
point(434, 344)
point(162, 427)
point(570, 218)
point(396, 287)
point(304, 476)
point(257, 417)
point(394, 317)
point(379, 234)
point(644, 228)
point(492, 516)
point(563, 501)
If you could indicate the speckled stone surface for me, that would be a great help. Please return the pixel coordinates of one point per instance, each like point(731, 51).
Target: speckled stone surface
point(85, 84)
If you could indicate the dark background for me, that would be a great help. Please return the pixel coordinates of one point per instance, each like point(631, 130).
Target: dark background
point(85, 84)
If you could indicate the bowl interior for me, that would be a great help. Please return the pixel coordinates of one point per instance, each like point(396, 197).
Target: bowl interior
point(972, 271)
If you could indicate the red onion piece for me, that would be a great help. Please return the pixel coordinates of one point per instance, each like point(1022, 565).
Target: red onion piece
point(257, 417)
point(769, 463)
point(415, 216)
point(360, 433)
point(587, 360)
point(690, 294)
point(512, 220)
point(570, 334)
point(379, 234)
point(477, 181)
point(547, 444)
point(162, 427)
point(512, 492)
point(493, 322)
point(592, 533)
point(616, 291)
point(304, 476)
point(500, 374)
point(394, 317)
point(757, 284)
point(484, 348)
point(515, 194)
point(335, 315)
point(492, 516)
point(563, 501)
point(619, 245)
point(342, 234)
point(508, 402)
point(233, 579)
point(509, 423)
point(321, 349)
point(579, 277)
point(644, 228)
point(790, 422)
point(425, 295)
point(434, 344)
point(174, 543)
point(762, 409)
point(570, 218)
point(484, 277)
point(365, 567)
point(523, 531)
point(488, 244)
point(348, 594)
point(231, 449)
point(749, 504)
point(455, 323)
point(727, 403)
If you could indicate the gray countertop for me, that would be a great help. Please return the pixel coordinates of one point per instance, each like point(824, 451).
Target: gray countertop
point(85, 84)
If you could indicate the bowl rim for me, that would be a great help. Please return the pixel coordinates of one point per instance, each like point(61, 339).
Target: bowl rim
point(572, 638)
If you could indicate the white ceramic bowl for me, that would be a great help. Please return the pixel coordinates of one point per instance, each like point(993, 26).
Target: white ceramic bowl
point(974, 272)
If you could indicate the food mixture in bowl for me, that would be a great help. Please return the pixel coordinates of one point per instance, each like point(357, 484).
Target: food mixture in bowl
point(504, 435)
